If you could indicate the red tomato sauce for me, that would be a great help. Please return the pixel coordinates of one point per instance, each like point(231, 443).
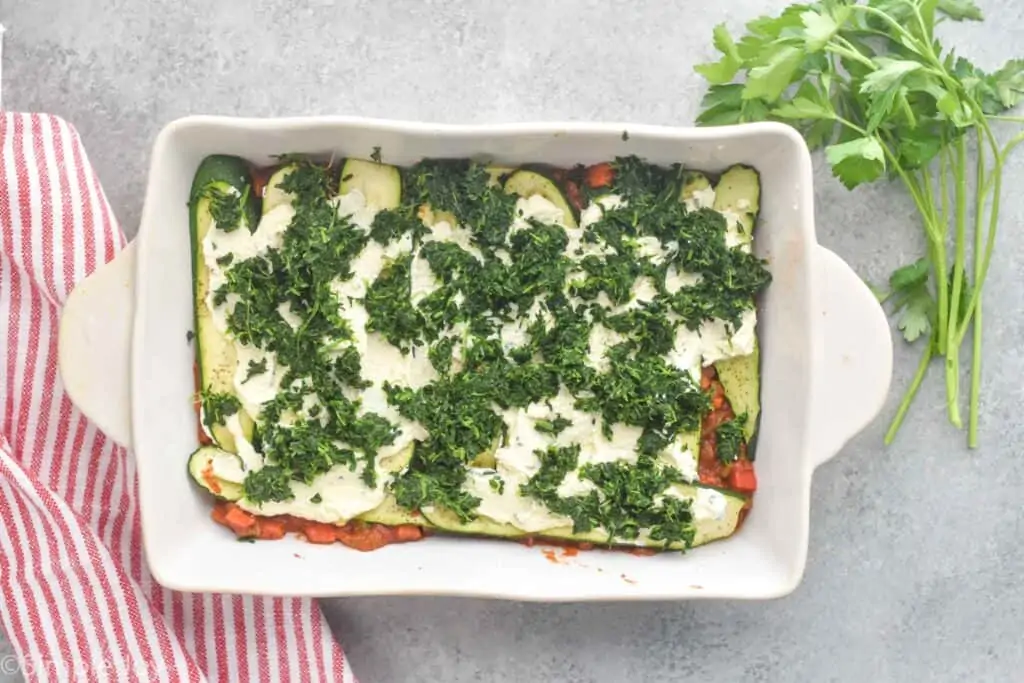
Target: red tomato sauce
point(362, 536)
point(737, 476)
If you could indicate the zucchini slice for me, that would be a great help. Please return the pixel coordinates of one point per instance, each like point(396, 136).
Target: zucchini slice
point(708, 530)
point(273, 195)
point(499, 174)
point(705, 530)
point(233, 172)
point(381, 184)
point(528, 183)
point(741, 381)
point(201, 469)
point(215, 353)
point(484, 526)
point(486, 459)
point(693, 182)
point(399, 461)
point(739, 193)
point(390, 513)
point(691, 441)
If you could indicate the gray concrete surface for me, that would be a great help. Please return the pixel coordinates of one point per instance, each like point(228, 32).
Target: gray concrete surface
point(915, 554)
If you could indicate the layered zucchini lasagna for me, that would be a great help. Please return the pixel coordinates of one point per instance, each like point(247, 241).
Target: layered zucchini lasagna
point(531, 353)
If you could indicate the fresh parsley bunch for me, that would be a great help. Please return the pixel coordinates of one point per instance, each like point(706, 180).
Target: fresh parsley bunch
point(871, 84)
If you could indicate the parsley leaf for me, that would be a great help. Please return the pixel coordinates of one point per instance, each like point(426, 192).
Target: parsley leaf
point(724, 69)
point(226, 207)
point(888, 75)
point(771, 79)
point(912, 300)
point(803, 108)
point(723, 105)
point(218, 407)
point(255, 368)
point(729, 438)
point(556, 426)
point(497, 484)
point(858, 161)
point(916, 318)
point(820, 27)
point(909, 276)
point(1008, 83)
point(960, 10)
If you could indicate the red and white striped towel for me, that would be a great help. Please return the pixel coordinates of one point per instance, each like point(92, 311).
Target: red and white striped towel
point(76, 598)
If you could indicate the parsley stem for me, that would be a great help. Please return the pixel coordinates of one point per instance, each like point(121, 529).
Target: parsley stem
point(944, 165)
point(936, 238)
point(852, 126)
point(1003, 155)
point(959, 258)
point(909, 39)
point(997, 187)
point(920, 22)
point(924, 207)
point(979, 223)
point(972, 418)
point(850, 54)
point(1018, 139)
point(908, 398)
point(938, 241)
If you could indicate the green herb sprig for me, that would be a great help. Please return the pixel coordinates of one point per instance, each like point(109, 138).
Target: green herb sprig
point(871, 85)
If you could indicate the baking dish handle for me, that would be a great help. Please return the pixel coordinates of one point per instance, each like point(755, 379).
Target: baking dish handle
point(94, 345)
point(854, 364)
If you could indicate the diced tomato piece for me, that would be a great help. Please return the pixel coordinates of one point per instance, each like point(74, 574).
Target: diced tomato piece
point(742, 478)
point(599, 175)
point(364, 537)
point(707, 452)
point(407, 532)
point(367, 537)
point(260, 176)
point(270, 529)
point(572, 192)
point(315, 532)
point(710, 476)
point(219, 513)
point(240, 521)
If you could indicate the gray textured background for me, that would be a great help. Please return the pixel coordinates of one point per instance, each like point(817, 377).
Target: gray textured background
point(915, 553)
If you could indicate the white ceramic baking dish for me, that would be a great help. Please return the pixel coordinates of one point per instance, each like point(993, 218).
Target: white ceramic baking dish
point(827, 363)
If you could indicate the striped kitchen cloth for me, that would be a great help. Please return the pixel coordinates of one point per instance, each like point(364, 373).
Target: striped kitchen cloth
point(76, 598)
